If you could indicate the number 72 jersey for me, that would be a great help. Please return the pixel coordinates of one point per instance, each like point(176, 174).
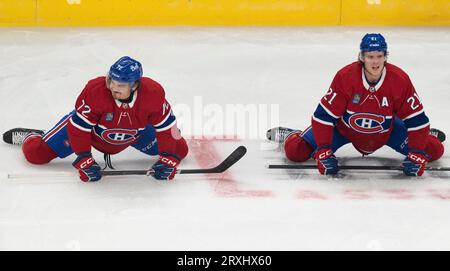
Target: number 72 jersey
point(365, 113)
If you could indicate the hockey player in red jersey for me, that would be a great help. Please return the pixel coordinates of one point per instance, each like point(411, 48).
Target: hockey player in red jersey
point(370, 103)
point(112, 113)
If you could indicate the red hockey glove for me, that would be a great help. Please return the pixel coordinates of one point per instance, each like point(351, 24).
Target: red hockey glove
point(166, 166)
point(414, 163)
point(88, 169)
point(327, 162)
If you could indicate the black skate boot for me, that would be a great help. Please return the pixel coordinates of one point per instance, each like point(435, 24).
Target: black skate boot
point(16, 136)
point(279, 134)
point(438, 134)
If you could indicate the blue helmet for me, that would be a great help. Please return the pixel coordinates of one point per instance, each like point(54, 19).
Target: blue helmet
point(126, 70)
point(373, 42)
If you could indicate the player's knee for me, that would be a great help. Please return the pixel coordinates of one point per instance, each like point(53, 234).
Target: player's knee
point(36, 151)
point(297, 149)
point(434, 148)
point(182, 148)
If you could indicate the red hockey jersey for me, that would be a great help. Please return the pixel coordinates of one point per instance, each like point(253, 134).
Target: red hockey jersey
point(365, 113)
point(111, 126)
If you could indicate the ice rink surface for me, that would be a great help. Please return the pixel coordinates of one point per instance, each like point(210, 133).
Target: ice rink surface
point(207, 72)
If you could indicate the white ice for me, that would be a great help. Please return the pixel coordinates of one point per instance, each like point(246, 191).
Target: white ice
point(248, 208)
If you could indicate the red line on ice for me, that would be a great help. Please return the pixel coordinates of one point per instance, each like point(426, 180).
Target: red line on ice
point(224, 184)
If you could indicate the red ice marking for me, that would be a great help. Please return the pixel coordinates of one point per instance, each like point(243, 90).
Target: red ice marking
point(214, 138)
point(223, 184)
point(356, 194)
point(440, 194)
point(399, 193)
point(309, 194)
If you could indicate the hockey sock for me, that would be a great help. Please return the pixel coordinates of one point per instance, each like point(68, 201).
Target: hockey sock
point(435, 148)
point(182, 148)
point(36, 151)
point(297, 149)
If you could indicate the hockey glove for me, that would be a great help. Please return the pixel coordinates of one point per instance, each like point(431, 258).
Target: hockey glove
point(166, 166)
point(414, 163)
point(327, 162)
point(88, 169)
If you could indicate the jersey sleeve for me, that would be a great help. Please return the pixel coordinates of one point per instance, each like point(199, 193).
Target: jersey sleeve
point(411, 111)
point(330, 109)
point(83, 119)
point(164, 121)
point(163, 118)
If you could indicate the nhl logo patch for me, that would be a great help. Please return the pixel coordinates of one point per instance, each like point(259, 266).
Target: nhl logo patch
point(109, 116)
point(356, 98)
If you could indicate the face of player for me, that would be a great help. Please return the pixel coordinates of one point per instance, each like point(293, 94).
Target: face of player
point(119, 90)
point(374, 64)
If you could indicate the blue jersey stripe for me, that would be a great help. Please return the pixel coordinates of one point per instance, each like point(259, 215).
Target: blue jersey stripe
point(417, 121)
point(168, 122)
point(323, 115)
point(79, 121)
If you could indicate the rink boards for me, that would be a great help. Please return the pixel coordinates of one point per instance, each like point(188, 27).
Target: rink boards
point(223, 12)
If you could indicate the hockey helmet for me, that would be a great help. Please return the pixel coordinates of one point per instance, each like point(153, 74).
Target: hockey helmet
point(126, 70)
point(373, 42)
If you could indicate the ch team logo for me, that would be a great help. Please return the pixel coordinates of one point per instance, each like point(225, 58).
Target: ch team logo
point(366, 123)
point(119, 136)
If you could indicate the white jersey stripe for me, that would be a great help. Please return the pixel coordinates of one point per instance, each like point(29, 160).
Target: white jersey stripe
point(418, 127)
point(79, 127)
point(164, 120)
point(85, 119)
point(323, 122)
point(167, 127)
point(328, 111)
point(413, 115)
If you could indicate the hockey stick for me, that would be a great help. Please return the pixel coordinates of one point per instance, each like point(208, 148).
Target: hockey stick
point(235, 156)
point(355, 167)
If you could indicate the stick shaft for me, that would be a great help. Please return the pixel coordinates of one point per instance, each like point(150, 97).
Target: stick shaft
point(150, 172)
point(355, 167)
point(235, 156)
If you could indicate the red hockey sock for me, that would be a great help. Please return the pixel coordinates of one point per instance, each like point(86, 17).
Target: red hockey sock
point(182, 148)
point(435, 148)
point(36, 151)
point(297, 149)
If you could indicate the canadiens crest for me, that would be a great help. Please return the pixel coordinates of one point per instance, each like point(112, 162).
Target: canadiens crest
point(119, 136)
point(366, 123)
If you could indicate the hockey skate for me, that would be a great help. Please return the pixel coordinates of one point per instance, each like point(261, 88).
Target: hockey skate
point(16, 136)
point(279, 134)
point(438, 134)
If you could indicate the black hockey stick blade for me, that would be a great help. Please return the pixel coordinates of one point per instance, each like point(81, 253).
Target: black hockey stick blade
point(235, 156)
point(355, 167)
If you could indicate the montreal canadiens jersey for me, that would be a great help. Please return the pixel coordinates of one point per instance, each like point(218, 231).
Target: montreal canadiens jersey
point(111, 126)
point(364, 113)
